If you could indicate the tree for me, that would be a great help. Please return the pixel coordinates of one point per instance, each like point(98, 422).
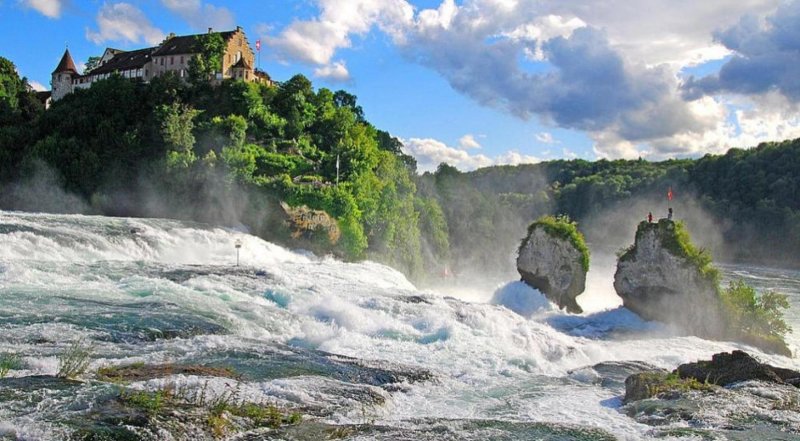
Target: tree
point(294, 103)
point(177, 123)
point(208, 62)
point(11, 87)
point(91, 64)
point(348, 100)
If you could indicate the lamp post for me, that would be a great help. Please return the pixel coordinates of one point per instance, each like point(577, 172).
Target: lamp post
point(238, 245)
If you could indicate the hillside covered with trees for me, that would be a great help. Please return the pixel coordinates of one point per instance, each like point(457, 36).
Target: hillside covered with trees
point(227, 154)
point(746, 199)
point(253, 154)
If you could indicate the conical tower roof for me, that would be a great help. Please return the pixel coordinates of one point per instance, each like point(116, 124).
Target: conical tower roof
point(66, 64)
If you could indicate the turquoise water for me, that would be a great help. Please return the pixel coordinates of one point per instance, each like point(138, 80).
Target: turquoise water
point(311, 333)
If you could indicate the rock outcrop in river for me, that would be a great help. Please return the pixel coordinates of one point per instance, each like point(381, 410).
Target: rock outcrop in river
point(659, 279)
point(664, 277)
point(732, 392)
point(553, 259)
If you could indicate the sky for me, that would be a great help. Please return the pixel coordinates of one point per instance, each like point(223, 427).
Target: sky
point(476, 83)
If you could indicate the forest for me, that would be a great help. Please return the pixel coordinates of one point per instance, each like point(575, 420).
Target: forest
point(239, 153)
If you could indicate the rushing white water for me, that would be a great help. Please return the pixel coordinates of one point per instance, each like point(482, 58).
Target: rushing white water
point(67, 278)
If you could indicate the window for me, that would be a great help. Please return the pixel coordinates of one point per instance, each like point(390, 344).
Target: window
point(162, 61)
point(183, 73)
point(146, 72)
point(181, 59)
point(171, 60)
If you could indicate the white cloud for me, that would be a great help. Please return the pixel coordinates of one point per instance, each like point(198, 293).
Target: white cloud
point(48, 8)
point(677, 32)
point(513, 157)
point(37, 86)
point(201, 15)
point(468, 141)
point(569, 154)
point(429, 153)
point(608, 68)
point(545, 138)
point(336, 72)
point(316, 41)
point(126, 23)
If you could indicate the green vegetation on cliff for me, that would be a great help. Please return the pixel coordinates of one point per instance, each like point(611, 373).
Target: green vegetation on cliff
point(565, 228)
point(226, 154)
point(675, 238)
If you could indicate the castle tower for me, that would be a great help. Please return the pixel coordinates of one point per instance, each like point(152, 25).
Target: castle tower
point(62, 77)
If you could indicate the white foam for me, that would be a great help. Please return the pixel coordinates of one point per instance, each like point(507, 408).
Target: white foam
point(484, 355)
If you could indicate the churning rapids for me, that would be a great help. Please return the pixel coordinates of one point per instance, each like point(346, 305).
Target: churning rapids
point(349, 345)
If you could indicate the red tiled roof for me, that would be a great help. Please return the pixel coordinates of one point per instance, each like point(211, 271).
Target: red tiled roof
point(66, 64)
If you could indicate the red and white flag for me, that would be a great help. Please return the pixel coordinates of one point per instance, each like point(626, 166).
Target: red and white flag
point(669, 194)
point(258, 45)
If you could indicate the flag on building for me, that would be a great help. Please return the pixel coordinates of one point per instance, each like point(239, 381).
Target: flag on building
point(258, 45)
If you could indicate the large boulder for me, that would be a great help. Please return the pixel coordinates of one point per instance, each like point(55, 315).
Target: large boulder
point(554, 260)
point(663, 277)
point(728, 368)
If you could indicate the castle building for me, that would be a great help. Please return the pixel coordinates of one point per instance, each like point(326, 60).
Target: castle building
point(172, 55)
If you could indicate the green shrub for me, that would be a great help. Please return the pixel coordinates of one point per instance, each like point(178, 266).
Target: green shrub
point(9, 362)
point(758, 319)
point(563, 227)
point(151, 403)
point(74, 361)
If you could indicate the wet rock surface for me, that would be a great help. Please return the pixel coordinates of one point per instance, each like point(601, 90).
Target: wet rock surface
point(728, 368)
point(436, 430)
point(750, 400)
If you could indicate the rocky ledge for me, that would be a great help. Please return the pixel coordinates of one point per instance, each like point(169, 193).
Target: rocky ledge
point(731, 394)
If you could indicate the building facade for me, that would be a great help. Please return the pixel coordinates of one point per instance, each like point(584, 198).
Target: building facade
point(172, 55)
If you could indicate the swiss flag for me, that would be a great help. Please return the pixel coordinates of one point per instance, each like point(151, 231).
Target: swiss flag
point(258, 45)
point(669, 194)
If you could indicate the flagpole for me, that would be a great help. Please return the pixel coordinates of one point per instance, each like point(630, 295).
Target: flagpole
point(258, 49)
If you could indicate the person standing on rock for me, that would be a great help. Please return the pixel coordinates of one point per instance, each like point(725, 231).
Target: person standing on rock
point(669, 213)
point(650, 217)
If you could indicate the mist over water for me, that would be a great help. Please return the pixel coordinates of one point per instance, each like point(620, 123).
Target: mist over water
point(497, 349)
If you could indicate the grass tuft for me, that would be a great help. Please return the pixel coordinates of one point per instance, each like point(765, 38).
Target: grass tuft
point(74, 360)
point(9, 362)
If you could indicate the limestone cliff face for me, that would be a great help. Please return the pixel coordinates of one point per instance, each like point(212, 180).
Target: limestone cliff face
point(553, 265)
point(659, 282)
